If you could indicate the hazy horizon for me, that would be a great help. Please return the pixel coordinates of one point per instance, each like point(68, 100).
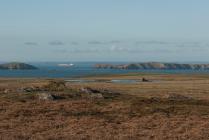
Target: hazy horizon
point(108, 31)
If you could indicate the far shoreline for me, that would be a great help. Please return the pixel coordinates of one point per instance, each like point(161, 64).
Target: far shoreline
point(92, 76)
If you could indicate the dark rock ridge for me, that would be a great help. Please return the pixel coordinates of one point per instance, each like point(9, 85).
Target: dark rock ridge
point(17, 66)
point(154, 66)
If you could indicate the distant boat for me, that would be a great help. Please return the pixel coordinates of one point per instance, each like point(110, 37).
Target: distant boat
point(65, 65)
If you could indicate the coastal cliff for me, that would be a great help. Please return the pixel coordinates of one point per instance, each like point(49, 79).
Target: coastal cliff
point(17, 66)
point(154, 66)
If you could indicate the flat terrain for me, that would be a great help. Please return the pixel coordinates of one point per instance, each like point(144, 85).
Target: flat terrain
point(169, 106)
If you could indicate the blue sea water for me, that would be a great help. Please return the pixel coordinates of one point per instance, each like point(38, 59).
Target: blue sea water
point(80, 69)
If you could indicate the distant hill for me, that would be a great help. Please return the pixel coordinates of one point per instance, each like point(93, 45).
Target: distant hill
point(154, 66)
point(17, 66)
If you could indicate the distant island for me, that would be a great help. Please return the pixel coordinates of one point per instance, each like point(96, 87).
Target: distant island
point(154, 66)
point(17, 66)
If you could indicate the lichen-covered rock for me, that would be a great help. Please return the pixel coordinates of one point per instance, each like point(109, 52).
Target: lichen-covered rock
point(55, 86)
point(177, 97)
point(98, 93)
point(7, 90)
point(96, 96)
point(30, 89)
point(89, 90)
point(46, 96)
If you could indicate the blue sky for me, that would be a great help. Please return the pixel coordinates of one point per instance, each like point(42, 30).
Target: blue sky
point(104, 30)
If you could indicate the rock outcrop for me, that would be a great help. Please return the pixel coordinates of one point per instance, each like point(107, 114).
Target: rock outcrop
point(46, 96)
point(17, 66)
point(154, 66)
point(56, 85)
point(98, 93)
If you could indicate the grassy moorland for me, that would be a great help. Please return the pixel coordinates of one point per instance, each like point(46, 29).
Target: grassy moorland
point(174, 106)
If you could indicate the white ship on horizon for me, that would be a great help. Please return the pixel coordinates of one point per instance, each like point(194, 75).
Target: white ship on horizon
point(65, 65)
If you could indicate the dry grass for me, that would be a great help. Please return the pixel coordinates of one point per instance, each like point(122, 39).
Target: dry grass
point(140, 111)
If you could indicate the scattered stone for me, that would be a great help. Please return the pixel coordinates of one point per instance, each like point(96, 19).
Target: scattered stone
point(91, 93)
point(46, 96)
point(155, 99)
point(97, 96)
point(85, 90)
point(105, 91)
point(30, 89)
point(145, 80)
point(177, 97)
point(51, 86)
point(55, 86)
point(7, 90)
point(89, 90)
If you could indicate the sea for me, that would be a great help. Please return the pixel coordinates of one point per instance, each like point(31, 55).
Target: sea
point(80, 69)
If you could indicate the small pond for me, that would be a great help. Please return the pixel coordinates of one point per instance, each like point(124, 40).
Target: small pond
point(119, 81)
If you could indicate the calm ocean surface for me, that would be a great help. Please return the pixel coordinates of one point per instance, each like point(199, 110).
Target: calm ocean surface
point(52, 70)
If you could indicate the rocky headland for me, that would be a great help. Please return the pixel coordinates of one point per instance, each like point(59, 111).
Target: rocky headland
point(17, 66)
point(154, 66)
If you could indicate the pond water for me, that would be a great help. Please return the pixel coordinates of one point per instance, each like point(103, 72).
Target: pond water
point(125, 81)
point(121, 81)
point(80, 81)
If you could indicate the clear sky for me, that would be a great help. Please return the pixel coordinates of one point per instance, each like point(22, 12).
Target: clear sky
point(104, 30)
